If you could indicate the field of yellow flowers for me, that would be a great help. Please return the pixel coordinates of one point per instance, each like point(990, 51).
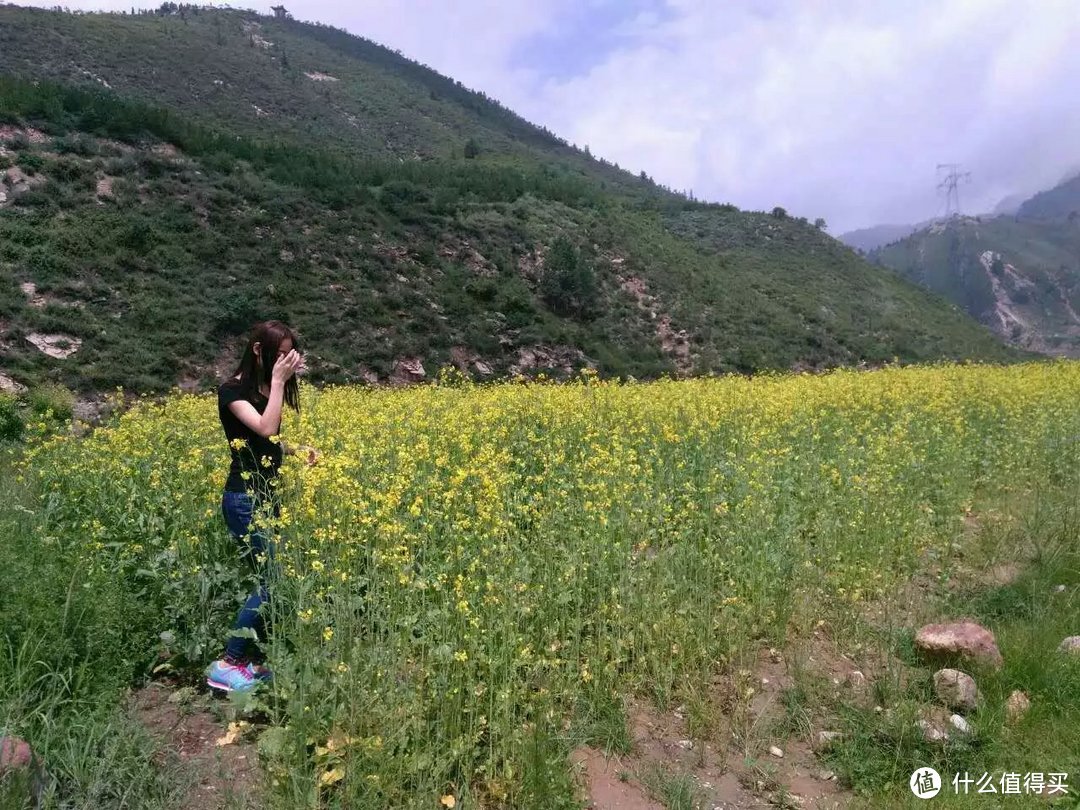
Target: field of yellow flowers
point(473, 576)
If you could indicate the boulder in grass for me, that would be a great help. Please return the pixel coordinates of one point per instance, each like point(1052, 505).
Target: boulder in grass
point(931, 732)
point(14, 754)
point(1017, 706)
point(956, 689)
point(960, 724)
point(963, 640)
point(1070, 645)
point(17, 761)
point(826, 739)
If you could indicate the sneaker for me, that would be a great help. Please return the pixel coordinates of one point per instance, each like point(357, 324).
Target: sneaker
point(230, 678)
point(259, 671)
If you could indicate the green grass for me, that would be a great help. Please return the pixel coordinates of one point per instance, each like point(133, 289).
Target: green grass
point(64, 665)
point(676, 791)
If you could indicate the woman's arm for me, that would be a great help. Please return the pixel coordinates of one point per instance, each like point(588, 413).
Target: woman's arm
point(269, 421)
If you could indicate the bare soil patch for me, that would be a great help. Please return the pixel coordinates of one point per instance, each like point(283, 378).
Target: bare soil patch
point(733, 766)
point(218, 776)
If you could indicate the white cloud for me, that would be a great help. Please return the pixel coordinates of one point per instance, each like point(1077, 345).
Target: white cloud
point(840, 110)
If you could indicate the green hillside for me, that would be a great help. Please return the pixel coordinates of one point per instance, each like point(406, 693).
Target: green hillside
point(1020, 277)
point(1060, 203)
point(396, 218)
point(256, 75)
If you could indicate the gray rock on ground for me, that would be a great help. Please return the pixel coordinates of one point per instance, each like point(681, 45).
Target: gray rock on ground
point(825, 739)
point(956, 689)
point(965, 640)
point(855, 679)
point(1016, 706)
point(930, 732)
point(1070, 645)
point(960, 724)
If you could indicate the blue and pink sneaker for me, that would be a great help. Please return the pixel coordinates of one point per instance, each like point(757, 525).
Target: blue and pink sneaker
point(231, 677)
point(260, 671)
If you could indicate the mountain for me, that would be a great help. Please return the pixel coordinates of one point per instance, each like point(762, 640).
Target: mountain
point(170, 178)
point(1020, 276)
point(868, 239)
point(1061, 202)
point(1008, 205)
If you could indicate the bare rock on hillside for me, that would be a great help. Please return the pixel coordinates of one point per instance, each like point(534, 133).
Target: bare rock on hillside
point(531, 265)
point(58, 346)
point(408, 370)
point(465, 359)
point(964, 640)
point(562, 358)
point(367, 376)
point(9, 385)
point(104, 187)
point(11, 133)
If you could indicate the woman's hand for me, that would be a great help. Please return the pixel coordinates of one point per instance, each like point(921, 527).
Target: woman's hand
point(285, 367)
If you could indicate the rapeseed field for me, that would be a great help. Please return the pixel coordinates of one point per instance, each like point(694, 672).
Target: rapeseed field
point(473, 577)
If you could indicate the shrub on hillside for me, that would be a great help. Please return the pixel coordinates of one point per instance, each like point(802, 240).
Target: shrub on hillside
point(11, 421)
point(30, 162)
point(76, 144)
point(52, 398)
point(568, 285)
point(405, 200)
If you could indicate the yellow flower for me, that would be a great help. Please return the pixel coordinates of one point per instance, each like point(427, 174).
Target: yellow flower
point(327, 633)
point(448, 800)
point(332, 776)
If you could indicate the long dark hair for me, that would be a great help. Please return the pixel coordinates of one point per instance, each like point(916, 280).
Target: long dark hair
point(254, 372)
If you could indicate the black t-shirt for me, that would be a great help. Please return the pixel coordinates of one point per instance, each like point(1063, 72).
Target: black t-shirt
point(258, 456)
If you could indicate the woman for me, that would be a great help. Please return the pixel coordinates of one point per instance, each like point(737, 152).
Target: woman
point(249, 406)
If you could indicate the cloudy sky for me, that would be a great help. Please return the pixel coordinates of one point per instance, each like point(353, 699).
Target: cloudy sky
point(832, 108)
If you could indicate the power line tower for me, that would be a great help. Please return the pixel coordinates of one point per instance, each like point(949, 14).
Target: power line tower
point(949, 179)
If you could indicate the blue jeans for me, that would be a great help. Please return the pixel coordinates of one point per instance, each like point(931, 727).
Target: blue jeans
point(258, 549)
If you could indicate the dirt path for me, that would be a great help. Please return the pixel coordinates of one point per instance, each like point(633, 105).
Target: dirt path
point(730, 770)
point(218, 776)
